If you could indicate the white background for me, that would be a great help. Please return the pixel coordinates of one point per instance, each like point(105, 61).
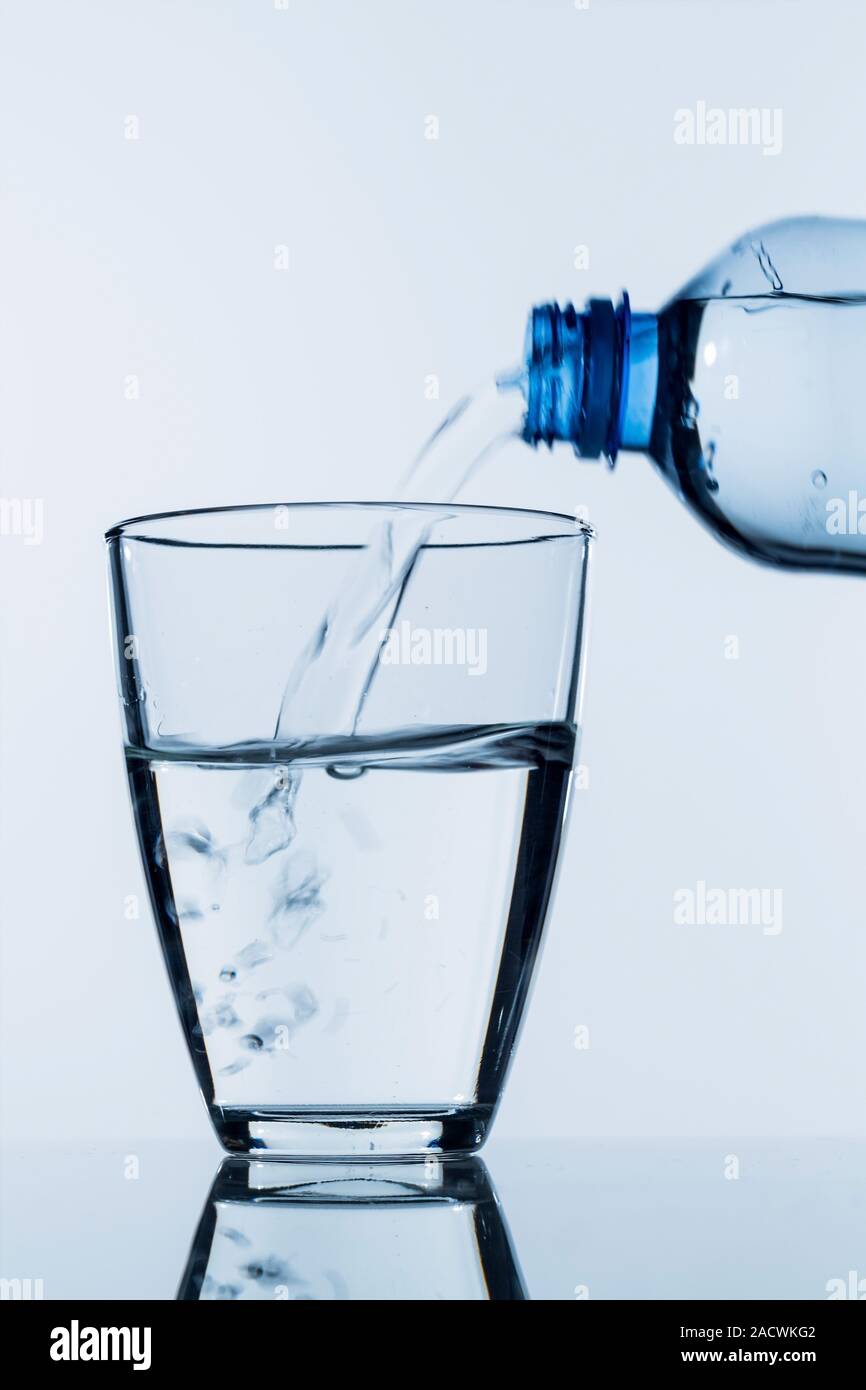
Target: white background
point(154, 257)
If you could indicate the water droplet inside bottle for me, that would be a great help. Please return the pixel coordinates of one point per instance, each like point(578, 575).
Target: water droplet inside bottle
point(346, 772)
point(227, 974)
point(819, 478)
point(252, 1041)
point(691, 410)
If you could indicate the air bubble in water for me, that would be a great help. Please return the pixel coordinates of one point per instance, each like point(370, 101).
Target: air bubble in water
point(346, 772)
point(222, 1015)
point(271, 1270)
point(234, 1067)
point(236, 1237)
point(297, 900)
point(255, 954)
point(272, 825)
point(194, 838)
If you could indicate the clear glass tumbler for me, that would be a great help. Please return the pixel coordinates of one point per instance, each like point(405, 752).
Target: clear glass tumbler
point(349, 733)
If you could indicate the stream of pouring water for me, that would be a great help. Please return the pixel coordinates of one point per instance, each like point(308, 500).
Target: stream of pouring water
point(327, 688)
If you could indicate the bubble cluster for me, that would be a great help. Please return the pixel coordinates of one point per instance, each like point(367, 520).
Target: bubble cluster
point(272, 824)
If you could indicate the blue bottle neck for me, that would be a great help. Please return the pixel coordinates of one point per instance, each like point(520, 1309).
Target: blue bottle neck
point(591, 377)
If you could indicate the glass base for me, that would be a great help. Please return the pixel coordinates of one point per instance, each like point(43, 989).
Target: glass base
point(308, 1133)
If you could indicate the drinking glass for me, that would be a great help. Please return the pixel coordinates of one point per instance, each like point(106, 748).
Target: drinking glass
point(349, 733)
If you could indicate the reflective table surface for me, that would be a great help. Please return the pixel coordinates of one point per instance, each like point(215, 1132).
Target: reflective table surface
point(750, 1219)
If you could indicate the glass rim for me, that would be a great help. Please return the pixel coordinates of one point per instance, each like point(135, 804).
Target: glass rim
point(136, 527)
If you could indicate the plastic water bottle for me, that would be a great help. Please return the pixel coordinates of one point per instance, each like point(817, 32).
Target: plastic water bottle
point(747, 391)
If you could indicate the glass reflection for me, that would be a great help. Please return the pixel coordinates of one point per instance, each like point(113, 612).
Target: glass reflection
point(304, 1231)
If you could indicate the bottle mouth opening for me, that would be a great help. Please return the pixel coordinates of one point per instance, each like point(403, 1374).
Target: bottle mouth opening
point(576, 365)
